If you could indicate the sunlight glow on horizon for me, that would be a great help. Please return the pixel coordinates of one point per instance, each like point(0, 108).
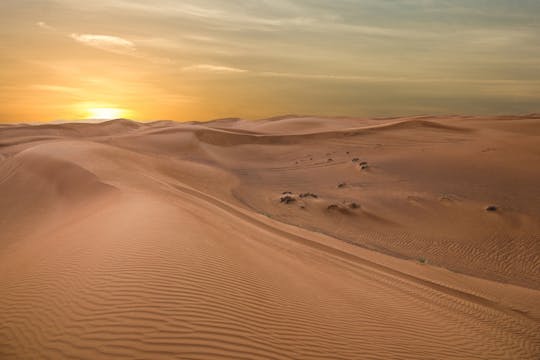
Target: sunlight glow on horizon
point(200, 60)
point(105, 113)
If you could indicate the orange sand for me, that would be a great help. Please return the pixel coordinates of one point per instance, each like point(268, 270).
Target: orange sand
point(168, 240)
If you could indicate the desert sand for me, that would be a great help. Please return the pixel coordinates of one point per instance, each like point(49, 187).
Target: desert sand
point(287, 238)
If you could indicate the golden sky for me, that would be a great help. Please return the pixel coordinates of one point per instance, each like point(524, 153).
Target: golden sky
point(199, 60)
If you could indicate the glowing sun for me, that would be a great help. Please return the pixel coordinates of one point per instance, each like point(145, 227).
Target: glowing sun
point(106, 113)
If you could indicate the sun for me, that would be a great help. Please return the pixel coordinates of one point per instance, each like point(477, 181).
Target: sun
point(103, 113)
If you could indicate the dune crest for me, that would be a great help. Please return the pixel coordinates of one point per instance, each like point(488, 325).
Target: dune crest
point(294, 237)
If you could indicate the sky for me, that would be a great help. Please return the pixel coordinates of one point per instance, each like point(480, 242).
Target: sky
point(207, 59)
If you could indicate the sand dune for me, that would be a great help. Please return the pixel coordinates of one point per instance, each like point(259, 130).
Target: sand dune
point(173, 240)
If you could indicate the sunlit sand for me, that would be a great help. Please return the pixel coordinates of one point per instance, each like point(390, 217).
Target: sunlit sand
point(285, 238)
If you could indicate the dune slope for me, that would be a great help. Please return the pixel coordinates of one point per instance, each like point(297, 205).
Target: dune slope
point(286, 238)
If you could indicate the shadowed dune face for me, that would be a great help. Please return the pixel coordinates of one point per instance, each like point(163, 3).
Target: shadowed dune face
point(286, 238)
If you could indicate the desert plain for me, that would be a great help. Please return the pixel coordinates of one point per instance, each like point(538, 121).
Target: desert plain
point(295, 237)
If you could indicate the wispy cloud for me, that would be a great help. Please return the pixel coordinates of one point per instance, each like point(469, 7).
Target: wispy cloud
point(53, 88)
point(176, 9)
point(396, 79)
point(264, 16)
point(213, 69)
point(117, 45)
point(108, 43)
point(44, 25)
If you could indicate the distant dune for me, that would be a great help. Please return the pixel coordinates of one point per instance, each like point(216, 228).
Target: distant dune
point(287, 238)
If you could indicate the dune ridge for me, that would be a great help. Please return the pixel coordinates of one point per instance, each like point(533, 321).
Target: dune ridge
point(167, 240)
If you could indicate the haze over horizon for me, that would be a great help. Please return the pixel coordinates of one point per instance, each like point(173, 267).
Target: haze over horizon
point(201, 60)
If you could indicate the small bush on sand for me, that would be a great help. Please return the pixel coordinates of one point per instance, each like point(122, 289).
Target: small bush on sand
point(287, 199)
point(354, 205)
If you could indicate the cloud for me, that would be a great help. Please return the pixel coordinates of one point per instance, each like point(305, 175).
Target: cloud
point(229, 16)
point(213, 69)
point(53, 88)
point(108, 43)
point(267, 16)
point(397, 79)
point(43, 25)
point(118, 45)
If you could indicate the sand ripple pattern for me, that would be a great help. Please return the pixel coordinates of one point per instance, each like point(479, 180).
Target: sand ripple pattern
point(138, 264)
